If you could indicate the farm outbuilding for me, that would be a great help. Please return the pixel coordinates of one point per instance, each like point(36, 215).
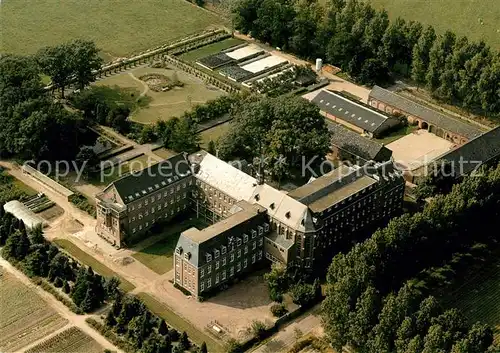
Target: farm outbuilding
point(22, 212)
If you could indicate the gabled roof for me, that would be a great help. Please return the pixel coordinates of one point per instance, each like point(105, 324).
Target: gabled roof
point(350, 111)
point(356, 144)
point(429, 115)
point(476, 152)
point(223, 176)
point(141, 183)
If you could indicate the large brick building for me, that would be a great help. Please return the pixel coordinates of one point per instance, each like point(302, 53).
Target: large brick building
point(303, 228)
point(444, 126)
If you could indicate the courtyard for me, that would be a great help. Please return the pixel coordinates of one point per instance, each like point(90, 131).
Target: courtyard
point(170, 91)
point(417, 149)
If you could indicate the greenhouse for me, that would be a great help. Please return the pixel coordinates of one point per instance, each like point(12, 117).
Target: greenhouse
point(20, 211)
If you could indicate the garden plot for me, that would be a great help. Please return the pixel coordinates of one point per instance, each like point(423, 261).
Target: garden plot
point(24, 316)
point(171, 92)
point(71, 340)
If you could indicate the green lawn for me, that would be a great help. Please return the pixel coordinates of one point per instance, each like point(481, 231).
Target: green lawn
point(476, 19)
point(210, 49)
point(119, 27)
point(213, 134)
point(163, 105)
point(164, 153)
point(180, 324)
point(24, 188)
point(158, 256)
point(89, 260)
point(479, 299)
point(395, 135)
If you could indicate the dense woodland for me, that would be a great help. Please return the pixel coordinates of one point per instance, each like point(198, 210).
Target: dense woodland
point(378, 298)
point(32, 124)
point(363, 42)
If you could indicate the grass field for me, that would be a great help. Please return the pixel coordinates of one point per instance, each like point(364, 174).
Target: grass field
point(476, 19)
point(24, 316)
point(119, 27)
point(180, 324)
point(210, 49)
point(71, 340)
point(158, 256)
point(479, 299)
point(164, 153)
point(88, 260)
point(213, 134)
point(397, 134)
point(164, 105)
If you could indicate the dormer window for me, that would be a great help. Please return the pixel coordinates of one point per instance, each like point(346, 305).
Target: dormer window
point(266, 227)
point(209, 257)
point(257, 197)
point(261, 230)
point(179, 250)
point(254, 233)
point(224, 249)
point(287, 215)
point(272, 206)
point(216, 253)
point(187, 255)
point(245, 238)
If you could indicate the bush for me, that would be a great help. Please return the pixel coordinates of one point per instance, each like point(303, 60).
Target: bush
point(49, 288)
point(110, 335)
point(259, 329)
point(82, 203)
point(233, 346)
point(58, 283)
point(278, 310)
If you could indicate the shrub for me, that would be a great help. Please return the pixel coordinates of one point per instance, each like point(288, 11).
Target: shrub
point(58, 282)
point(110, 335)
point(233, 346)
point(278, 310)
point(259, 329)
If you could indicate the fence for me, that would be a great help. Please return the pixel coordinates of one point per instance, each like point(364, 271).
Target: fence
point(49, 182)
point(200, 74)
point(180, 46)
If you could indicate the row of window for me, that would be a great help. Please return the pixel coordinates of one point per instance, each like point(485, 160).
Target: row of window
point(169, 191)
point(239, 242)
point(231, 258)
point(221, 276)
point(157, 208)
point(166, 215)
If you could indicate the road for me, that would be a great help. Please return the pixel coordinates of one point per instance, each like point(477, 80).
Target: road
point(60, 308)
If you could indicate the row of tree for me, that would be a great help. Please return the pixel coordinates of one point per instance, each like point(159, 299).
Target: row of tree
point(39, 258)
point(130, 318)
point(377, 298)
point(71, 62)
point(362, 41)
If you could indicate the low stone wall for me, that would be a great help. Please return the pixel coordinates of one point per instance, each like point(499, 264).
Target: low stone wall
point(44, 179)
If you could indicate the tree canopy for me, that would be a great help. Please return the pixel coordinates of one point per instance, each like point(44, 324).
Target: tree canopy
point(362, 41)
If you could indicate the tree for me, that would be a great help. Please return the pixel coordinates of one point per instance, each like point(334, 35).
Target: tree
point(84, 59)
point(162, 328)
point(203, 348)
point(441, 49)
point(55, 62)
point(364, 318)
point(277, 282)
point(420, 55)
point(111, 288)
point(184, 343)
point(87, 159)
point(66, 287)
point(37, 262)
point(110, 320)
point(19, 80)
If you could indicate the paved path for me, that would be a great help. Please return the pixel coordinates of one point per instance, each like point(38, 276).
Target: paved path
point(60, 308)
